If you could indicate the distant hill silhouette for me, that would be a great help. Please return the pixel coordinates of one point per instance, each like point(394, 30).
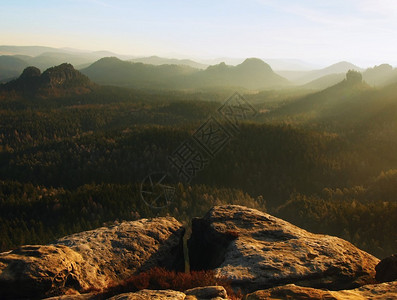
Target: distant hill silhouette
point(11, 66)
point(338, 68)
point(46, 57)
point(26, 50)
point(156, 60)
point(324, 82)
point(377, 76)
point(380, 75)
point(289, 64)
point(276, 64)
point(113, 71)
point(251, 74)
point(62, 80)
point(343, 99)
point(13, 59)
point(50, 59)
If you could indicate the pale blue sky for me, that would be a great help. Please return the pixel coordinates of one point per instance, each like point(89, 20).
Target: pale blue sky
point(361, 31)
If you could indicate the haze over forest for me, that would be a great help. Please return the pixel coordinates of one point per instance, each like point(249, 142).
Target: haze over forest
point(97, 96)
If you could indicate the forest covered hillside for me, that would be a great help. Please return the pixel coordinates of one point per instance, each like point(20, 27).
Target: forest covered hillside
point(74, 162)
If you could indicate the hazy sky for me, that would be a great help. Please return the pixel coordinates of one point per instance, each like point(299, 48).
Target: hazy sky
point(361, 31)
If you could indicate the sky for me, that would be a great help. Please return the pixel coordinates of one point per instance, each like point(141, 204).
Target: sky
point(320, 32)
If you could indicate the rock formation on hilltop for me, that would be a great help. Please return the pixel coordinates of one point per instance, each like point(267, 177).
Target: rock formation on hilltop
point(59, 81)
point(64, 76)
point(91, 259)
point(260, 254)
point(256, 250)
point(353, 77)
point(30, 73)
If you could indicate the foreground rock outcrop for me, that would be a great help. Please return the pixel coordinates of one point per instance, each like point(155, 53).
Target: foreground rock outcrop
point(92, 259)
point(200, 293)
point(32, 271)
point(291, 291)
point(207, 292)
point(151, 294)
point(256, 250)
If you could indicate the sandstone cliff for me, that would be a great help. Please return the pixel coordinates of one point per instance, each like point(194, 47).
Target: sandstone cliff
point(91, 260)
point(265, 257)
point(256, 250)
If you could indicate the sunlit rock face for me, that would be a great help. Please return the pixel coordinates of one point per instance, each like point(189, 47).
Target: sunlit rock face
point(151, 294)
point(92, 259)
point(207, 292)
point(291, 291)
point(32, 271)
point(256, 250)
point(200, 293)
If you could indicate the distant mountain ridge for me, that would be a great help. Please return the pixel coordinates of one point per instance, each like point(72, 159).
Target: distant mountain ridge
point(338, 68)
point(347, 103)
point(156, 60)
point(378, 76)
point(26, 50)
point(276, 64)
point(251, 74)
point(11, 66)
point(113, 71)
point(324, 82)
point(381, 75)
point(183, 75)
point(46, 57)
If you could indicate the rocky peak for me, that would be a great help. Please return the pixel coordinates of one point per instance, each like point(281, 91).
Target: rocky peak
point(62, 80)
point(221, 67)
point(353, 77)
point(61, 75)
point(255, 64)
point(30, 72)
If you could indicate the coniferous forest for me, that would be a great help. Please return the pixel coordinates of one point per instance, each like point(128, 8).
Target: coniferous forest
point(323, 160)
point(198, 149)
